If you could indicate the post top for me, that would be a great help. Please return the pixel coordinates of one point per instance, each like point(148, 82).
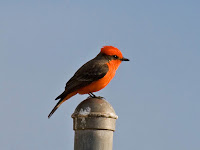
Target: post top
point(94, 107)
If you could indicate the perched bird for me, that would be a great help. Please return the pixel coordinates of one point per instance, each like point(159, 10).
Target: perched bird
point(93, 75)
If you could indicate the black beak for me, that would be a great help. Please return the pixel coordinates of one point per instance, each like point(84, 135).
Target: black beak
point(124, 59)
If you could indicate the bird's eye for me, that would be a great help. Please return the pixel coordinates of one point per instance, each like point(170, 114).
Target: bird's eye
point(115, 56)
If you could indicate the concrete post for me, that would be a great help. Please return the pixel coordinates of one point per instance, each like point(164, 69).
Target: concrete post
point(94, 122)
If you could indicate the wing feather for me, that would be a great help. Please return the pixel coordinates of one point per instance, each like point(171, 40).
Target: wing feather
point(88, 73)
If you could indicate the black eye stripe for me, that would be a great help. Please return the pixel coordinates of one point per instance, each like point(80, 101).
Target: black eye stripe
point(110, 57)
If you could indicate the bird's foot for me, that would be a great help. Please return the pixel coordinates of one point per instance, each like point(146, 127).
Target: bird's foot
point(89, 97)
point(94, 96)
point(100, 97)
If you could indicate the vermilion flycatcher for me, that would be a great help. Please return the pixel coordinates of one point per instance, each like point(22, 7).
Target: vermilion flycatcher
point(93, 75)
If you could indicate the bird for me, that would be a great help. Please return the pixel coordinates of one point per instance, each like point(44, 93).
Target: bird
point(93, 75)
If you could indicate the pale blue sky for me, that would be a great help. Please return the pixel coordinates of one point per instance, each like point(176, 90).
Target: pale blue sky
point(155, 95)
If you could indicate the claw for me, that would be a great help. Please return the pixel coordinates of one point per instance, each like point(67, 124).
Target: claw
point(100, 97)
point(91, 95)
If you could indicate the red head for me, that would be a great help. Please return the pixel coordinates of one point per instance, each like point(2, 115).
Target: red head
point(113, 51)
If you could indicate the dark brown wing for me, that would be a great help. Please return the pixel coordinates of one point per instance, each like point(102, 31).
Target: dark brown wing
point(88, 73)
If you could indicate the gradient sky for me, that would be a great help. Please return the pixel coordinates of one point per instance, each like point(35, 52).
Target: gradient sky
point(155, 95)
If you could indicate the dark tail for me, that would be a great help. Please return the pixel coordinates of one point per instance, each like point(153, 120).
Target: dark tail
point(63, 97)
point(55, 108)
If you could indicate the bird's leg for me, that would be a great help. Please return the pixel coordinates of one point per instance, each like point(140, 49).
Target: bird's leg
point(90, 96)
point(94, 96)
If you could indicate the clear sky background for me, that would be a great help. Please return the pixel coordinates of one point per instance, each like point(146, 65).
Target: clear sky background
point(155, 95)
